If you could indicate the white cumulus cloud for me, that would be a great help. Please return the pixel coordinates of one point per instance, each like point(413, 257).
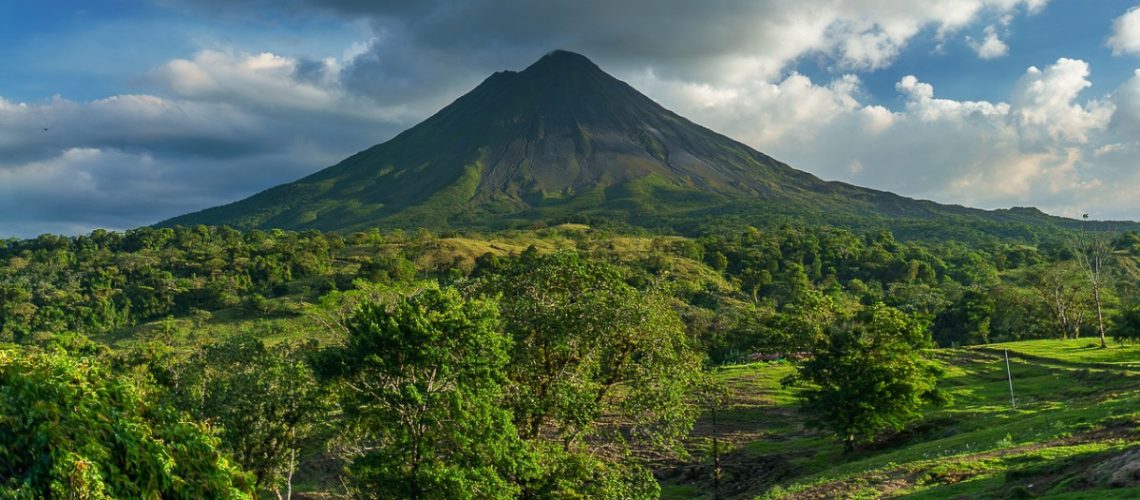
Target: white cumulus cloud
point(1126, 33)
point(1048, 146)
point(1045, 106)
point(267, 80)
point(992, 46)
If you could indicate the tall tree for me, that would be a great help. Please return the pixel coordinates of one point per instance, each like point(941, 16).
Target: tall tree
point(423, 379)
point(1060, 287)
point(1093, 251)
point(586, 345)
point(596, 362)
point(968, 320)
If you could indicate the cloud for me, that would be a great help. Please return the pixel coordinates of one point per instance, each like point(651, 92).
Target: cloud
point(270, 81)
point(1045, 107)
point(1046, 147)
point(923, 106)
point(1126, 33)
point(719, 41)
point(1125, 123)
point(82, 188)
point(142, 122)
point(228, 125)
point(992, 46)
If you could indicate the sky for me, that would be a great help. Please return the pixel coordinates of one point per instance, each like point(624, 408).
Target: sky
point(121, 113)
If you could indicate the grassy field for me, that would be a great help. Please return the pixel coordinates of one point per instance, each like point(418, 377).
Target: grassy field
point(1074, 433)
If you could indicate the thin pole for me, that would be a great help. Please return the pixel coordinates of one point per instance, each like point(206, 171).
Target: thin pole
point(1009, 374)
point(716, 455)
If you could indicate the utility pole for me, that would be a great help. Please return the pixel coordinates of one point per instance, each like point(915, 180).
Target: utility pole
point(1009, 375)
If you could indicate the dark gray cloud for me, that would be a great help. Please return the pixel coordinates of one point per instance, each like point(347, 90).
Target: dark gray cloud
point(392, 73)
point(675, 37)
point(135, 160)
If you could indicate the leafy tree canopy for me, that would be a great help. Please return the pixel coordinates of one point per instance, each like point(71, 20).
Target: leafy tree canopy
point(868, 375)
point(70, 428)
point(423, 377)
point(265, 400)
point(588, 345)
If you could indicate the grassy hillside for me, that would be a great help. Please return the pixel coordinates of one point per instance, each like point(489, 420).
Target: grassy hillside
point(157, 298)
point(1075, 433)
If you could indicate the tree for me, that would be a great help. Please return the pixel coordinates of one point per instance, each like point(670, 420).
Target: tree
point(16, 312)
point(1019, 314)
point(867, 376)
point(265, 399)
point(1093, 251)
point(335, 310)
point(799, 325)
point(71, 428)
point(1059, 286)
point(422, 381)
point(589, 350)
point(967, 321)
point(791, 284)
point(586, 344)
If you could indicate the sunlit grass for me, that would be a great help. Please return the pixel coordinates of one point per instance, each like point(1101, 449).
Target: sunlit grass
point(1074, 407)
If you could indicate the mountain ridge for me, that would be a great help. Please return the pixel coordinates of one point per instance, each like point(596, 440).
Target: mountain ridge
point(561, 140)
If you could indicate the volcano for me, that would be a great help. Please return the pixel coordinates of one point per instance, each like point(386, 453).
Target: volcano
point(562, 141)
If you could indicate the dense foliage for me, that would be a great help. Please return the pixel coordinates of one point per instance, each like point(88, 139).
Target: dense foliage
point(422, 380)
point(544, 363)
point(265, 399)
point(107, 282)
point(868, 375)
point(587, 345)
point(70, 428)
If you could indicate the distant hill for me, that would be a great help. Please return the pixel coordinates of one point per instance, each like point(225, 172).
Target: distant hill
point(565, 141)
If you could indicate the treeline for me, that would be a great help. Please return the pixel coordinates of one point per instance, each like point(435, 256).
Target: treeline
point(110, 281)
point(791, 277)
point(106, 281)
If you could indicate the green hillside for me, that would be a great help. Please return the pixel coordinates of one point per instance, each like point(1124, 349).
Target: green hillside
point(564, 141)
point(1075, 433)
point(247, 336)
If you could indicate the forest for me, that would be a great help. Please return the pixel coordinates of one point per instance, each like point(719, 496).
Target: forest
point(551, 362)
